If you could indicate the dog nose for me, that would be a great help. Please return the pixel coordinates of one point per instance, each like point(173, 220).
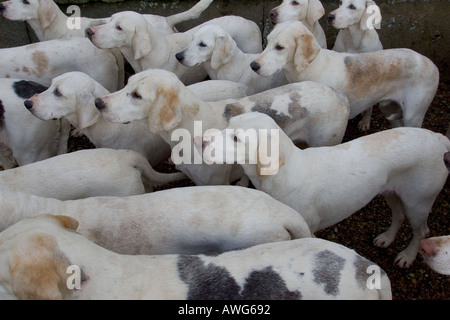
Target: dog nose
point(28, 104)
point(273, 14)
point(2, 7)
point(180, 56)
point(255, 66)
point(89, 33)
point(100, 104)
point(427, 248)
point(331, 18)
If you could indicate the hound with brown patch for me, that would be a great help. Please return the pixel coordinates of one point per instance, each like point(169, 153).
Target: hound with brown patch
point(309, 112)
point(43, 61)
point(307, 11)
point(68, 266)
point(401, 81)
point(328, 184)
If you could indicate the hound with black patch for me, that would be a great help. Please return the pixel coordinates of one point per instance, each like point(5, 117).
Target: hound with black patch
point(309, 112)
point(402, 82)
point(329, 184)
point(296, 269)
point(25, 139)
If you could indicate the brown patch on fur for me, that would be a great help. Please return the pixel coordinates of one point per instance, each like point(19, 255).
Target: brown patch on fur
point(26, 69)
point(38, 268)
point(41, 62)
point(232, 110)
point(65, 221)
point(307, 50)
point(171, 102)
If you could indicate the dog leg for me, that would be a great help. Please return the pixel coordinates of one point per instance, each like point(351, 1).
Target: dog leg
point(395, 203)
point(364, 124)
point(392, 112)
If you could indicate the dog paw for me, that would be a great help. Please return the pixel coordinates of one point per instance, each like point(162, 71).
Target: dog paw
point(383, 241)
point(404, 259)
point(363, 126)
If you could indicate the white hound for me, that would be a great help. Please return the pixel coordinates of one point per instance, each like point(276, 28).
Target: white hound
point(307, 11)
point(49, 22)
point(87, 173)
point(25, 139)
point(187, 220)
point(329, 184)
point(42, 61)
point(357, 34)
point(215, 50)
point(387, 77)
point(309, 112)
point(66, 265)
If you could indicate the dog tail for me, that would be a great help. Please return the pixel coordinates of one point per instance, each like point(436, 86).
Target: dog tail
point(190, 14)
point(152, 178)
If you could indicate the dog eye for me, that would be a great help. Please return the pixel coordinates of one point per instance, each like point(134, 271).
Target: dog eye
point(25, 2)
point(57, 93)
point(352, 7)
point(295, 3)
point(202, 44)
point(136, 95)
point(118, 27)
point(279, 48)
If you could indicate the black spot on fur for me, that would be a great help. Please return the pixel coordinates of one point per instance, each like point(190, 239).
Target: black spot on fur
point(361, 266)
point(232, 110)
point(327, 271)
point(2, 111)
point(212, 282)
point(26, 89)
point(281, 119)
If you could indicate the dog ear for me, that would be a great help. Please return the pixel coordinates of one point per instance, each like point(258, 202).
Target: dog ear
point(268, 143)
point(307, 49)
point(371, 16)
point(222, 52)
point(87, 113)
point(38, 269)
point(141, 42)
point(315, 11)
point(165, 113)
point(46, 13)
point(65, 221)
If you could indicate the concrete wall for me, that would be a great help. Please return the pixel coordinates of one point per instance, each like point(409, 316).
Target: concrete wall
point(421, 25)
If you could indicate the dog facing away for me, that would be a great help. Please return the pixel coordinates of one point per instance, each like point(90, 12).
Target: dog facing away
point(311, 180)
point(389, 78)
point(43, 61)
point(25, 139)
point(309, 112)
point(357, 34)
point(87, 173)
point(215, 50)
point(297, 269)
point(307, 11)
point(436, 253)
point(49, 22)
point(188, 220)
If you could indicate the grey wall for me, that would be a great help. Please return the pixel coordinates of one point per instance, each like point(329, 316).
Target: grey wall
point(420, 25)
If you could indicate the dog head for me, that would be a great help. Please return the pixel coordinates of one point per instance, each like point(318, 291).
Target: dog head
point(153, 94)
point(45, 11)
point(290, 43)
point(355, 12)
point(32, 264)
point(124, 29)
point(210, 43)
point(308, 11)
point(72, 93)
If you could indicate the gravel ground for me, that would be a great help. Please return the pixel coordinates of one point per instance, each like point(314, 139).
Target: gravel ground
point(357, 232)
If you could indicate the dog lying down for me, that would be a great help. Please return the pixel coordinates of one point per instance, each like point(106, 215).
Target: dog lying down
point(188, 220)
point(328, 184)
point(436, 253)
point(298, 269)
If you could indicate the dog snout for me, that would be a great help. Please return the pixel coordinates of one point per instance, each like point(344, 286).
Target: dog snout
point(331, 18)
point(2, 7)
point(180, 56)
point(427, 248)
point(273, 15)
point(255, 66)
point(90, 33)
point(28, 104)
point(100, 104)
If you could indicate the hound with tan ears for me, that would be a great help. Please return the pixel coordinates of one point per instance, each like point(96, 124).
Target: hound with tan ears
point(307, 11)
point(49, 22)
point(309, 112)
point(215, 50)
point(188, 220)
point(389, 78)
point(357, 34)
point(328, 184)
point(297, 269)
point(88, 173)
